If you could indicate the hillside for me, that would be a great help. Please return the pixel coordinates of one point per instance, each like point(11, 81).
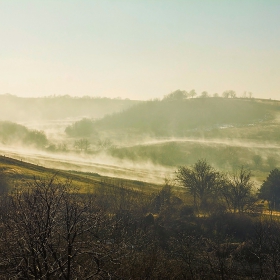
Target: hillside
point(229, 133)
point(187, 117)
point(18, 171)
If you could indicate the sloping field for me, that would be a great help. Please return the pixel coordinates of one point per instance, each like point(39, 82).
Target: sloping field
point(19, 171)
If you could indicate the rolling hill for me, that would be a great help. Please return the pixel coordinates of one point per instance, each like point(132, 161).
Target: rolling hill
point(181, 118)
point(229, 133)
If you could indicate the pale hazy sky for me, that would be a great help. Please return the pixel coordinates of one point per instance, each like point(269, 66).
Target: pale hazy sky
point(139, 49)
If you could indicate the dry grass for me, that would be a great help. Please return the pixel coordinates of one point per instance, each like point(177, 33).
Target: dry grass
point(20, 171)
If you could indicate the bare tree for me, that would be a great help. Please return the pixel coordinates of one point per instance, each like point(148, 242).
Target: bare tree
point(51, 232)
point(82, 144)
point(192, 93)
point(201, 180)
point(238, 191)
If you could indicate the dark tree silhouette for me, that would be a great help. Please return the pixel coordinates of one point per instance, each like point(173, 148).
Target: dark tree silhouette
point(270, 189)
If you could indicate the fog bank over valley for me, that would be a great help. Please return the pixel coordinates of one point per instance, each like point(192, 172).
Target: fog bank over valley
point(148, 140)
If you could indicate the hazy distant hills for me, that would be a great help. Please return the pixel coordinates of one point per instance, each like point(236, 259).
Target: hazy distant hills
point(186, 117)
point(16, 109)
point(228, 132)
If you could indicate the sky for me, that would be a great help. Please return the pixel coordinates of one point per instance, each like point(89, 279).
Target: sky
point(139, 49)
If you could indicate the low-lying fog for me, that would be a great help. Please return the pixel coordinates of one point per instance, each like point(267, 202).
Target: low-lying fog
point(143, 166)
point(102, 164)
point(227, 142)
point(54, 129)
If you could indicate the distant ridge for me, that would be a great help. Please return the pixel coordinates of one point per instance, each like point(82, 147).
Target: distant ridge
point(15, 108)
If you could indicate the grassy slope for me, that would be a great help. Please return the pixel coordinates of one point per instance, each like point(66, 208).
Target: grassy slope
point(20, 171)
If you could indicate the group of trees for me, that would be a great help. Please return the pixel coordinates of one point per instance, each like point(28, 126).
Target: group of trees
point(82, 128)
point(182, 94)
point(208, 186)
point(13, 133)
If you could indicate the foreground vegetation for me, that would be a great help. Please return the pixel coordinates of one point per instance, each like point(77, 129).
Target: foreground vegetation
point(215, 229)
